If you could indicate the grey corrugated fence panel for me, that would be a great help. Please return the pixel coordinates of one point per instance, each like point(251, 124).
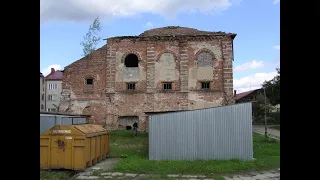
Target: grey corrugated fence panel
point(47, 121)
point(215, 133)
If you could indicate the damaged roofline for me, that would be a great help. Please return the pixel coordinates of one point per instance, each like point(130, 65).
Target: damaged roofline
point(232, 35)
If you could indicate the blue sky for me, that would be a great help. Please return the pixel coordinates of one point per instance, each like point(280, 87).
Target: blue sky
point(63, 23)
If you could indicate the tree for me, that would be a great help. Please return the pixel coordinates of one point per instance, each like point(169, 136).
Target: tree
point(259, 106)
point(92, 38)
point(57, 107)
point(272, 88)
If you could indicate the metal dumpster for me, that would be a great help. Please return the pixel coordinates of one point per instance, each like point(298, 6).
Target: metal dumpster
point(74, 147)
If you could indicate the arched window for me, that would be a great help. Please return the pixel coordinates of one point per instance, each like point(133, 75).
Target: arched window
point(131, 60)
point(204, 59)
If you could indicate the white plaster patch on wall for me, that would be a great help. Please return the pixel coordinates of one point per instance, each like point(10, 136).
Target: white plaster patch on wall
point(78, 106)
point(199, 103)
point(166, 68)
point(142, 74)
point(119, 57)
point(72, 95)
point(204, 73)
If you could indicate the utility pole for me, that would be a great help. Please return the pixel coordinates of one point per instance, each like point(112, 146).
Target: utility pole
point(265, 114)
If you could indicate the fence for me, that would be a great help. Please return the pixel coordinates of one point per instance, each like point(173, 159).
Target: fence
point(215, 133)
point(47, 121)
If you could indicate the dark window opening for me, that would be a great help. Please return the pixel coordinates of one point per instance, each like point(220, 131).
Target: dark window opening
point(42, 96)
point(167, 86)
point(89, 81)
point(205, 85)
point(131, 60)
point(42, 106)
point(128, 127)
point(131, 86)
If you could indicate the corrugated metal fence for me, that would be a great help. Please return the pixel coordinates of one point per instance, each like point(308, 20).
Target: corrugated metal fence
point(215, 133)
point(47, 121)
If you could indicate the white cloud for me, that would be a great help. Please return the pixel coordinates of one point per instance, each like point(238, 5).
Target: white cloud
point(277, 47)
point(47, 70)
point(249, 65)
point(276, 1)
point(252, 82)
point(84, 10)
point(148, 25)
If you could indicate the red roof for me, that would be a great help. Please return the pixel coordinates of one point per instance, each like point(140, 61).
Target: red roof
point(54, 75)
point(243, 94)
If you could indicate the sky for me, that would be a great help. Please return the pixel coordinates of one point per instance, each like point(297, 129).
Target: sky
point(63, 23)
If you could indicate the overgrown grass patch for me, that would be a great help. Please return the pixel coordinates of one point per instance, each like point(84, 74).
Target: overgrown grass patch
point(56, 175)
point(135, 151)
point(123, 144)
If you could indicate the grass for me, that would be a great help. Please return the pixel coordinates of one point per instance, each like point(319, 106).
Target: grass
point(135, 153)
point(56, 175)
point(123, 144)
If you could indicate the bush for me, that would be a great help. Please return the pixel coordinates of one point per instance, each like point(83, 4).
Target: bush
point(272, 118)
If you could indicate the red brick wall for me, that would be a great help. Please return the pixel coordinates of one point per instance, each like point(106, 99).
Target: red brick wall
point(108, 99)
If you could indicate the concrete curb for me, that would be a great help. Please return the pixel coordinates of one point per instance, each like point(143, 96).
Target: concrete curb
point(270, 135)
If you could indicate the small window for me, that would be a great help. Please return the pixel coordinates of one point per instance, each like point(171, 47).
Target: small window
point(52, 86)
point(131, 86)
point(52, 97)
point(42, 106)
point(51, 109)
point(42, 96)
point(205, 85)
point(167, 86)
point(89, 81)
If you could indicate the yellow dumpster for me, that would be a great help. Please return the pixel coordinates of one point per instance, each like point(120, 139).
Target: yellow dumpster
point(74, 147)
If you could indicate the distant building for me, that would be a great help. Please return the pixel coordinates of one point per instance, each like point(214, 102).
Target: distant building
point(251, 96)
point(42, 93)
point(247, 96)
point(53, 90)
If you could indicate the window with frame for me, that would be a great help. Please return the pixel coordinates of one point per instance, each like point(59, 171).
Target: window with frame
point(89, 81)
point(167, 86)
point(42, 106)
point(52, 97)
point(51, 109)
point(205, 85)
point(52, 86)
point(131, 86)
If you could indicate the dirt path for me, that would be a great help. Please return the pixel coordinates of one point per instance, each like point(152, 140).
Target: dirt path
point(266, 175)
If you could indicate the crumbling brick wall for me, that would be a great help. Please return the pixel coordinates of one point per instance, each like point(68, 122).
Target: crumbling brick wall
point(184, 57)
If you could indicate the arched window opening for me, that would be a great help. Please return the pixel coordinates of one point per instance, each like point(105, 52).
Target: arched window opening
point(204, 59)
point(131, 60)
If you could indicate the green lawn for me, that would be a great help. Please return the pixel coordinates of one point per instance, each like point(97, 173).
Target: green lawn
point(56, 175)
point(135, 153)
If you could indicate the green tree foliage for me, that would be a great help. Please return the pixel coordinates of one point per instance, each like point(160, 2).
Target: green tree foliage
point(92, 38)
point(273, 89)
point(259, 106)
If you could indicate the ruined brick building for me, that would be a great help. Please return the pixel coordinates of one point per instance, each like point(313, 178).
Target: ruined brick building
point(164, 69)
